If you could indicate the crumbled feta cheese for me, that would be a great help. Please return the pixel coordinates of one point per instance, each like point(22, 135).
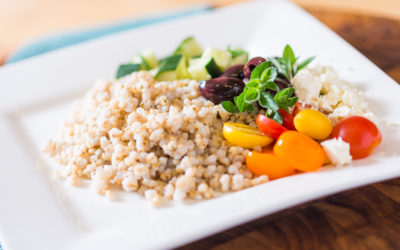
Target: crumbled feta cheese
point(321, 88)
point(338, 151)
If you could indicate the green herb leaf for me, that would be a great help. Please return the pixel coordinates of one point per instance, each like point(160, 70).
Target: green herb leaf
point(252, 95)
point(126, 69)
point(253, 83)
point(288, 92)
point(230, 107)
point(268, 102)
point(288, 55)
point(250, 108)
point(256, 73)
point(304, 64)
point(240, 103)
point(269, 74)
point(269, 85)
point(277, 117)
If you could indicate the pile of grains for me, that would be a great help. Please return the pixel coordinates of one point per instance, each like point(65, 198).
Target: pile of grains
point(160, 139)
point(321, 87)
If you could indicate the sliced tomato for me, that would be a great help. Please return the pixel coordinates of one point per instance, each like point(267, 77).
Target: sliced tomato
point(269, 127)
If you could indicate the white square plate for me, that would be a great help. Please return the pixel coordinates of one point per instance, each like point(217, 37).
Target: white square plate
point(40, 212)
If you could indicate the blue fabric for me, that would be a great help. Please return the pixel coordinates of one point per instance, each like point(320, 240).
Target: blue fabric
point(63, 40)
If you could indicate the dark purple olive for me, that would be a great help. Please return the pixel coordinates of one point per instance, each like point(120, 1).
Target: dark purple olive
point(235, 71)
point(251, 64)
point(221, 89)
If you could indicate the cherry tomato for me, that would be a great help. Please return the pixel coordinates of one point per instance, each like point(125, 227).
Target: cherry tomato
point(299, 106)
point(244, 136)
point(313, 123)
point(269, 127)
point(302, 152)
point(268, 164)
point(362, 135)
point(287, 119)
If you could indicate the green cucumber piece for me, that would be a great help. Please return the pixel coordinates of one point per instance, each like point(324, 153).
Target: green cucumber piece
point(197, 69)
point(189, 47)
point(147, 59)
point(173, 68)
point(222, 58)
point(212, 68)
point(126, 69)
point(239, 56)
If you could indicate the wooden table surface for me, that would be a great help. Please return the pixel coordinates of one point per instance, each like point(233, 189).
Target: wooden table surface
point(363, 218)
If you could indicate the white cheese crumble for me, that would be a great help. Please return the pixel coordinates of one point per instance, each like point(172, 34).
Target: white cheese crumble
point(322, 88)
point(338, 151)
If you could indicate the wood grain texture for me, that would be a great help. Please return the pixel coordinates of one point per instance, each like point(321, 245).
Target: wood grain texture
point(363, 218)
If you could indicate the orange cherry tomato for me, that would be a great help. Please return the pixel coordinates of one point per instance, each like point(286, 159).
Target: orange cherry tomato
point(362, 135)
point(269, 127)
point(268, 164)
point(302, 152)
point(287, 119)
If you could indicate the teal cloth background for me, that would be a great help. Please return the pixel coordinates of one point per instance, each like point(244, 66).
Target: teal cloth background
point(66, 39)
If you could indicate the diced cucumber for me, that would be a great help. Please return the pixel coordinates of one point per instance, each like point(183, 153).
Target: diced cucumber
point(189, 47)
point(222, 58)
point(172, 68)
point(212, 68)
point(239, 56)
point(197, 69)
point(147, 59)
point(126, 69)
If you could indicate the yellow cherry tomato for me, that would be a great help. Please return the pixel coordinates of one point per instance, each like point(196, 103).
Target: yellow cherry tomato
point(313, 123)
point(244, 135)
point(300, 151)
point(268, 164)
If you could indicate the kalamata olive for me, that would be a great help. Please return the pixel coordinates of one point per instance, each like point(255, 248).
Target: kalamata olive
point(221, 89)
point(251, 64)
point(235, 71)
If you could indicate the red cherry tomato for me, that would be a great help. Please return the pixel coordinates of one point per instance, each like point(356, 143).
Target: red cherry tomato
point(299, 106)
point(287, 119)
point(362, 135)
point(269, 127)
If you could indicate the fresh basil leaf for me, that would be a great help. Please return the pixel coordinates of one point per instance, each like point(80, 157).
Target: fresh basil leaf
point(269, 74)
point(240, 103)
point(304, 64)
point(230, 107)
point(252, 95)
point(292, 101)
point(126, 69)
point(267, 101)
point(288, 55)
point(257, 71)
point(269, 85)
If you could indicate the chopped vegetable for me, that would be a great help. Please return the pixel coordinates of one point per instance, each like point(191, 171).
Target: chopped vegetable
point(362, 135)
point(287, 119)
point(244, 136)
point(147, 59)
point(269, 127)
point(268, 164)
point(302, 152)
point(222, 57)
point(239, 56)
point(313, 123)
point(126, 69)
point(172, 68)
point(189, 47)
